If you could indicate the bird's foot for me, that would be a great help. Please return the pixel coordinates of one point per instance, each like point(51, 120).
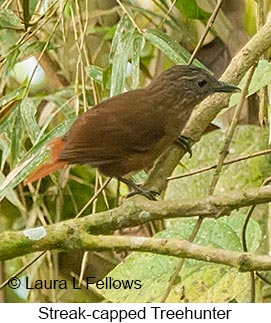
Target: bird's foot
point(185, 143)
point(151, 195)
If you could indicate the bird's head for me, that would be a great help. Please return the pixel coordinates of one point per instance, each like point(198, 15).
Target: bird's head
point(193, 84)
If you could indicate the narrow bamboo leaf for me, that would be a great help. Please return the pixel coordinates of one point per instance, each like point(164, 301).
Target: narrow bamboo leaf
point(5, 151)
point(124, 21)
point(61, 95)
point(96, 73)
point(12, 96)
point(56, 132)
point(261, 78)
point(36, 156)
point(11, 61)
point(190, 9)
point(19, 173)
point(16, 137)
point(11, 196)
point(138, 45)
point(6, 121)
point(169, 47)
point(28, 111)
point(119, 62)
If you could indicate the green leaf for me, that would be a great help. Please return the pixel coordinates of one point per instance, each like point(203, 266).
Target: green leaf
point(11, 61)
point(200, 281)
point(213, 284)
point(169, 47)
point(16, 138)
point(124, 21)
point(261, 78)
point(12, 96)
point(119, 62)
point(28, 111)
point(11, 196)
point(9, 19)
point(7, 119)
point(34, 157)
point(96, 73)
point(19, 173)
point(5, 151)
point(58, 131)
point(190, 9)
point(110, 32)
point(138, 45)
point(238, 176)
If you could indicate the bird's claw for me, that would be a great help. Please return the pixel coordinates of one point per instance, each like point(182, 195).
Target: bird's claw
point(184, 142)
point(151, 195)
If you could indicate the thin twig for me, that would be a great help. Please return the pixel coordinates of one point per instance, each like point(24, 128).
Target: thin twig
point(94, 197)
point(224, 154)
point(263, 93)
point(252, 287)
point(231, 131)
point(43, 51)
point(245, 248)
point(22, 269)
point(263, 278)
point(168, 12)
point(130, 17)
point(199, 222)
point(84, 261)
point(29, 34)
point(207, 29)
point(228, 162)
point(244, 228)
point(181, 261)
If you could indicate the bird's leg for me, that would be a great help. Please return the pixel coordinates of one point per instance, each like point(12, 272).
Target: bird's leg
point(137, 189)
point(185, 143)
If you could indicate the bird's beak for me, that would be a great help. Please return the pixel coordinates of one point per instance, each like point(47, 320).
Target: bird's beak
point(226, 88)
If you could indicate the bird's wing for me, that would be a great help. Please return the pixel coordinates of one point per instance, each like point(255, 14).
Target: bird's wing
point(122, 125)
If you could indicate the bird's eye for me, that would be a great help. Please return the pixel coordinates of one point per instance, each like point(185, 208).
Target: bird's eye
point(202, 83)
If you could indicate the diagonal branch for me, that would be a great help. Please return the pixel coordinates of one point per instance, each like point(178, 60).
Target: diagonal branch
point(210, 107)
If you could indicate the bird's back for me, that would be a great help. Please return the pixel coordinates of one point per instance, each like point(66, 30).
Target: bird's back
point(120, 135)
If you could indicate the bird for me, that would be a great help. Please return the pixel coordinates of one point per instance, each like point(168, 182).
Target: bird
point(128, 132)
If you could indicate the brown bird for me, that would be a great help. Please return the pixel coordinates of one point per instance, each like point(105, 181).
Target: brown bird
point(128, 132)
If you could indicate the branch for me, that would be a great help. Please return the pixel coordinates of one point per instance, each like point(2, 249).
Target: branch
point(135, 211)
point(178, 248)
point(210, 107)
point(174, 247)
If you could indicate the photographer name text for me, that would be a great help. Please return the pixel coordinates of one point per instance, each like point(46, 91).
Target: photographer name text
point(107, 283)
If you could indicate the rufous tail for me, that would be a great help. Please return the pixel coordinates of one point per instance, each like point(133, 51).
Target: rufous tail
point(56, 145)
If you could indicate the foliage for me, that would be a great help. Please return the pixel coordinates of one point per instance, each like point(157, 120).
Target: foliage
point(89, 54)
